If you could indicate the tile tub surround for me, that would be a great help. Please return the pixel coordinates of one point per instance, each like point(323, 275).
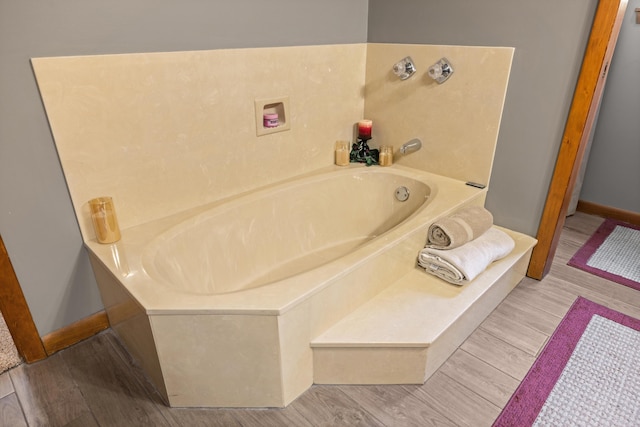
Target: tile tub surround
point(458, 121)
point(168, 135)
point(174, 334)
point(166, 132)
point(125, 258)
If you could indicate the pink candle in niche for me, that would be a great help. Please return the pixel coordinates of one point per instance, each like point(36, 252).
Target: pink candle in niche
point(271, 120)
point(364, 128)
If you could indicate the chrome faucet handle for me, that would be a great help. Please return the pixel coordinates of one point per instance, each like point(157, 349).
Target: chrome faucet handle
point(440, 71)
point(404, 68)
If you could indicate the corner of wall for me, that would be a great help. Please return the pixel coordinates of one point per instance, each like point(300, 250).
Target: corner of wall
point(458, 121)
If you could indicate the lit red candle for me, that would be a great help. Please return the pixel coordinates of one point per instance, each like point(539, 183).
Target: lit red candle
point(364, 128)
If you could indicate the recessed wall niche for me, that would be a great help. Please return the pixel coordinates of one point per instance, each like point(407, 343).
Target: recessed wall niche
point(279, 106)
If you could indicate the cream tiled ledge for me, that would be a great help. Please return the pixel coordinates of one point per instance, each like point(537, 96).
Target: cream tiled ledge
point(408, 330)
point(126, 258)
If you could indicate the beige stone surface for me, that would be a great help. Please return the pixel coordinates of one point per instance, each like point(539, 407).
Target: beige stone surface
point(129, 258)
point(458, 121)
point(219, 360)
point(164, 132)
point(171, 136)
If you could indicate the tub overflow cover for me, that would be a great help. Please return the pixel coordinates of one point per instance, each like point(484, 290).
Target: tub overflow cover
point(402, 193)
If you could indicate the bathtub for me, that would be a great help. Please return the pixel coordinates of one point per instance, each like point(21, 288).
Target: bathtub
point(282, 232)
point(218, 304)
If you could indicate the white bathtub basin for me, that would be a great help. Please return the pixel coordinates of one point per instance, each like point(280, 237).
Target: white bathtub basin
point(280, 232)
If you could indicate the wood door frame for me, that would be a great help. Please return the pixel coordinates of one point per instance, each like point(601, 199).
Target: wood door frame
point(17, 315)
point(16, 312)
point(602, 39)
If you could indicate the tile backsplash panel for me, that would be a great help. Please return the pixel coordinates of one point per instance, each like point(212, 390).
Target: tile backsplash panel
point(457, 121)
point(164, 132)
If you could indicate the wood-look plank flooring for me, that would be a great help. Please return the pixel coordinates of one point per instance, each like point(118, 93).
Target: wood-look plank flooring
point(96, 383)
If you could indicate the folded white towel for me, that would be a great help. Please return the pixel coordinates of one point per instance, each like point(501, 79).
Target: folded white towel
point(466, 262)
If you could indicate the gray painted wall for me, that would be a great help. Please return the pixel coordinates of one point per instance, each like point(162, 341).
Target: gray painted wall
point(612, 176)
point(37, 222)
point(550, 37)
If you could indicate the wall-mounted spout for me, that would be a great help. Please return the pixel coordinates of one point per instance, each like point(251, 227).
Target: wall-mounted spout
point(414, 145)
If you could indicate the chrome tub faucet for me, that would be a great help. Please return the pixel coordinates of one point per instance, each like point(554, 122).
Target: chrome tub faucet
point(414, 145)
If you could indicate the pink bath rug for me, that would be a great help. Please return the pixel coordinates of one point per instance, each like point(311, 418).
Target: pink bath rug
point(572, 356)
point(612, 252)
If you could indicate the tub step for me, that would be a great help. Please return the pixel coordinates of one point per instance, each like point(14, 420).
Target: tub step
point(408, 330)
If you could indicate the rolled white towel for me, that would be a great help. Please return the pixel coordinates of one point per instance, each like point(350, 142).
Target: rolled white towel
point(459, 228)
point(466, 262)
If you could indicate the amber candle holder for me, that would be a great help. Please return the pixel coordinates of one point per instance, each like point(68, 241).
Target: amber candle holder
point(342, 153)
point(386, 155)
point(105, 222)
